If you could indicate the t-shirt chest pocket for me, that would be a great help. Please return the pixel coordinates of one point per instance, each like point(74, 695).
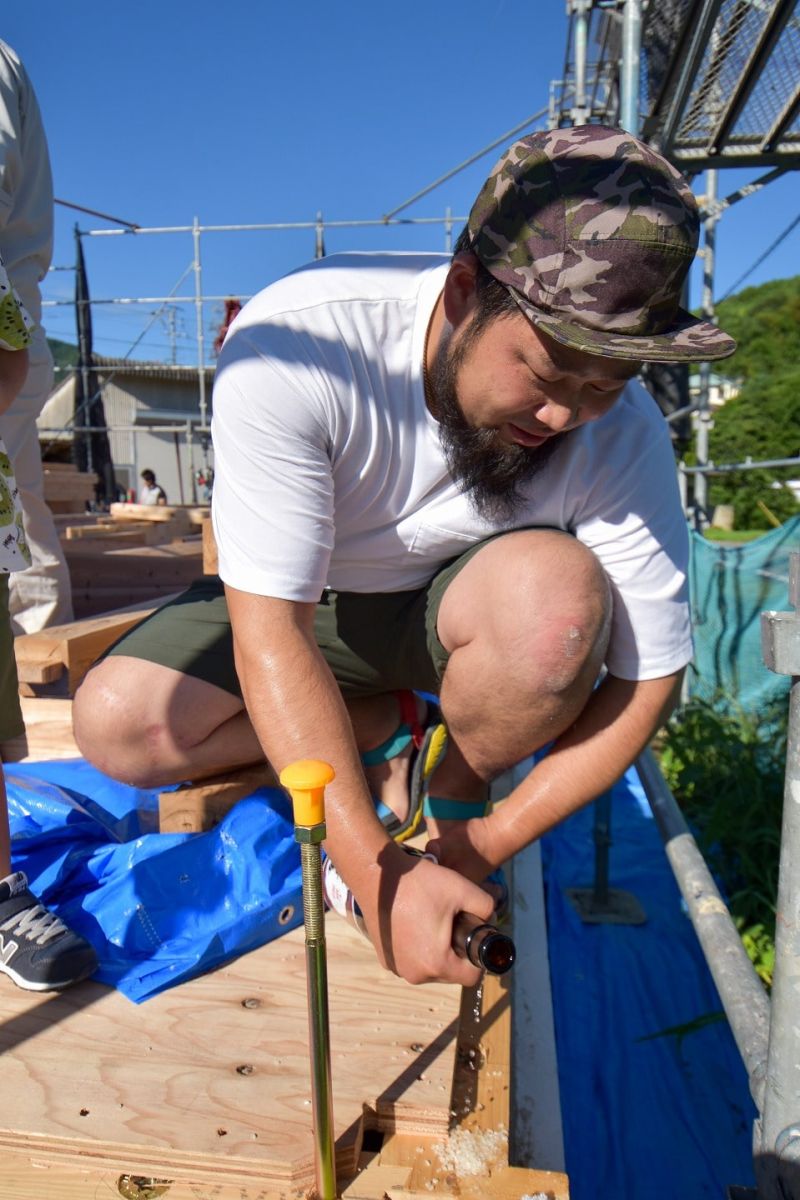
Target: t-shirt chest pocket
point(437, 542)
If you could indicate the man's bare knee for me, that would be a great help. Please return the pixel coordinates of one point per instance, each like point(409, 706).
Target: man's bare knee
point(143, 723)
point(528, 630)
point(539, 598)
point(111, 722)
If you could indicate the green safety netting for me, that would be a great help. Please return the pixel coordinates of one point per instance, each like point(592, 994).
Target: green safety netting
point(731, 585)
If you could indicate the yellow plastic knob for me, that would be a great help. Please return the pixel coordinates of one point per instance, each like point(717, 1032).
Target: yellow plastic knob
point(305, 782)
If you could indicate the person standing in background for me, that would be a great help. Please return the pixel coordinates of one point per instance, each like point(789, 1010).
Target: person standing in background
point(40, 595)
point(151, 492)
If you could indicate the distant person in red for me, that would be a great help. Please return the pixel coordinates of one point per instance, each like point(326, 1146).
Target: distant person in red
point(232, 309)
point(150, 492)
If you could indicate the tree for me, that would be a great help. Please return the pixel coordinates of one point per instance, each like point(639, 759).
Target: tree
point(765, 321)
point(762, 422)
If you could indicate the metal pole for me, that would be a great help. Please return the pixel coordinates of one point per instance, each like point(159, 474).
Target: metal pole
point(84, 317)
point(305, 781)
point(741, 991)
point(198, 307)
point(777, 1142)
point(580, 10)
point(201, 349)
point(704, 407)
point(631, 58)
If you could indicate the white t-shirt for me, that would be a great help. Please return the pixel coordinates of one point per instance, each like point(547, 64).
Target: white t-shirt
point(151, 495)
point(329, 470)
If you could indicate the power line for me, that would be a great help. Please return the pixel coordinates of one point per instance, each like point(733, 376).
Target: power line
point(760, 260)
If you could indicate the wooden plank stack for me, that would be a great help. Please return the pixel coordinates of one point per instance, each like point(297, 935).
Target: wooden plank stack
point(66, 489)
point(133, 554)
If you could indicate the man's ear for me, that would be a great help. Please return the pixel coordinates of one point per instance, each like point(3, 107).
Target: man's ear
point(460, 288)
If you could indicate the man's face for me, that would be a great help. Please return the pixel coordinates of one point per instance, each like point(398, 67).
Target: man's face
point(504, 394)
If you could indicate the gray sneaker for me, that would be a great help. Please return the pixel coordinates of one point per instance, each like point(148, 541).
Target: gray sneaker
point(37, 950)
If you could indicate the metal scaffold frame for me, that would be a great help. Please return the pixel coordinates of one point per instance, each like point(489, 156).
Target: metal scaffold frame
point(699, 119)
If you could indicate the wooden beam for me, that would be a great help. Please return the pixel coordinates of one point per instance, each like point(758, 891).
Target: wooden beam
point(48, 732)
point(72, 648)
point(210, 560)
point(195, 808)
point(115, 534)
point(186, 514)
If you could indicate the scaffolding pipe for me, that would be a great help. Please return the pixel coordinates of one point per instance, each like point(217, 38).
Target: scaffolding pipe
point(272, 225)
point(777, 1158)
point(704, 407)
point(743, 996)
point(201, 351)
point(748, 465)
point(631, 59)
point(581, 40)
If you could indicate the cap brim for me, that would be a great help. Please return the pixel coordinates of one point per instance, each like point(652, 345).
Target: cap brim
point(688, 340)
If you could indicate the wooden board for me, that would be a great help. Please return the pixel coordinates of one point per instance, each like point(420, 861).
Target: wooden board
point(117, 535)
point(157, 1089)
point(48, 732)
point(73, 647)
point(104, 579)
point(195, 808)
point(184, 514)
point(64, 484)
point(396, 1048)
point(210, 557)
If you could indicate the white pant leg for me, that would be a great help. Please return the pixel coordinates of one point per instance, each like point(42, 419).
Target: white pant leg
point(41, 595)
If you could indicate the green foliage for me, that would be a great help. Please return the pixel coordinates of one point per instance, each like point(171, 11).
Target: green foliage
point(64, 354)
point(713, 534)
point(765, 321)
point(748, 490)
point(763, 421)
point(726, 770)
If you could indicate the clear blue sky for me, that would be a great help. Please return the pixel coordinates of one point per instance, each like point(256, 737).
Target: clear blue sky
point(267, 111)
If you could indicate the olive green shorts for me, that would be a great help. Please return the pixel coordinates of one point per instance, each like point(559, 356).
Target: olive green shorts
point(372, 642)
point(11, 723)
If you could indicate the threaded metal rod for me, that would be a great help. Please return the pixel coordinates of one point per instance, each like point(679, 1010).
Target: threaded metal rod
point(318, 1024)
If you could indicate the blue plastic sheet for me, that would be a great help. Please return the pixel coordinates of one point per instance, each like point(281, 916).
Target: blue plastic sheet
point(645, 1113)
point(158, 908)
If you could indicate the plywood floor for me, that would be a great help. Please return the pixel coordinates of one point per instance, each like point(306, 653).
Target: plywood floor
point(211, 1079)
point(203, 1093)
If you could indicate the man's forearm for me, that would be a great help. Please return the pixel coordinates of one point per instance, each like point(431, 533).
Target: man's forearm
point(613, 729)
point(297, 712)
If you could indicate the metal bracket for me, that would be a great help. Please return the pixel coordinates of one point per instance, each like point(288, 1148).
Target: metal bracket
point(616, 908)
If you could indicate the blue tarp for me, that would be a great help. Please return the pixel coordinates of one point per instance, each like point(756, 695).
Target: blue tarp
point(647, 1115)
point(158, 908)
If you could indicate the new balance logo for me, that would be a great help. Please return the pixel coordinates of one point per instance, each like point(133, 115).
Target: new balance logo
point(7, 949)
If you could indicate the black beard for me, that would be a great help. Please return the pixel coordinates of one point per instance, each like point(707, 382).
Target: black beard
point(491, 471)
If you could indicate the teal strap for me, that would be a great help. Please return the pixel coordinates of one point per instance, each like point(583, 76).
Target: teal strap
point(388, 749)
point(451, 810)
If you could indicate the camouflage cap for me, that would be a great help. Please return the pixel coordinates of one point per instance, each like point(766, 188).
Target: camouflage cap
point(593, 232)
